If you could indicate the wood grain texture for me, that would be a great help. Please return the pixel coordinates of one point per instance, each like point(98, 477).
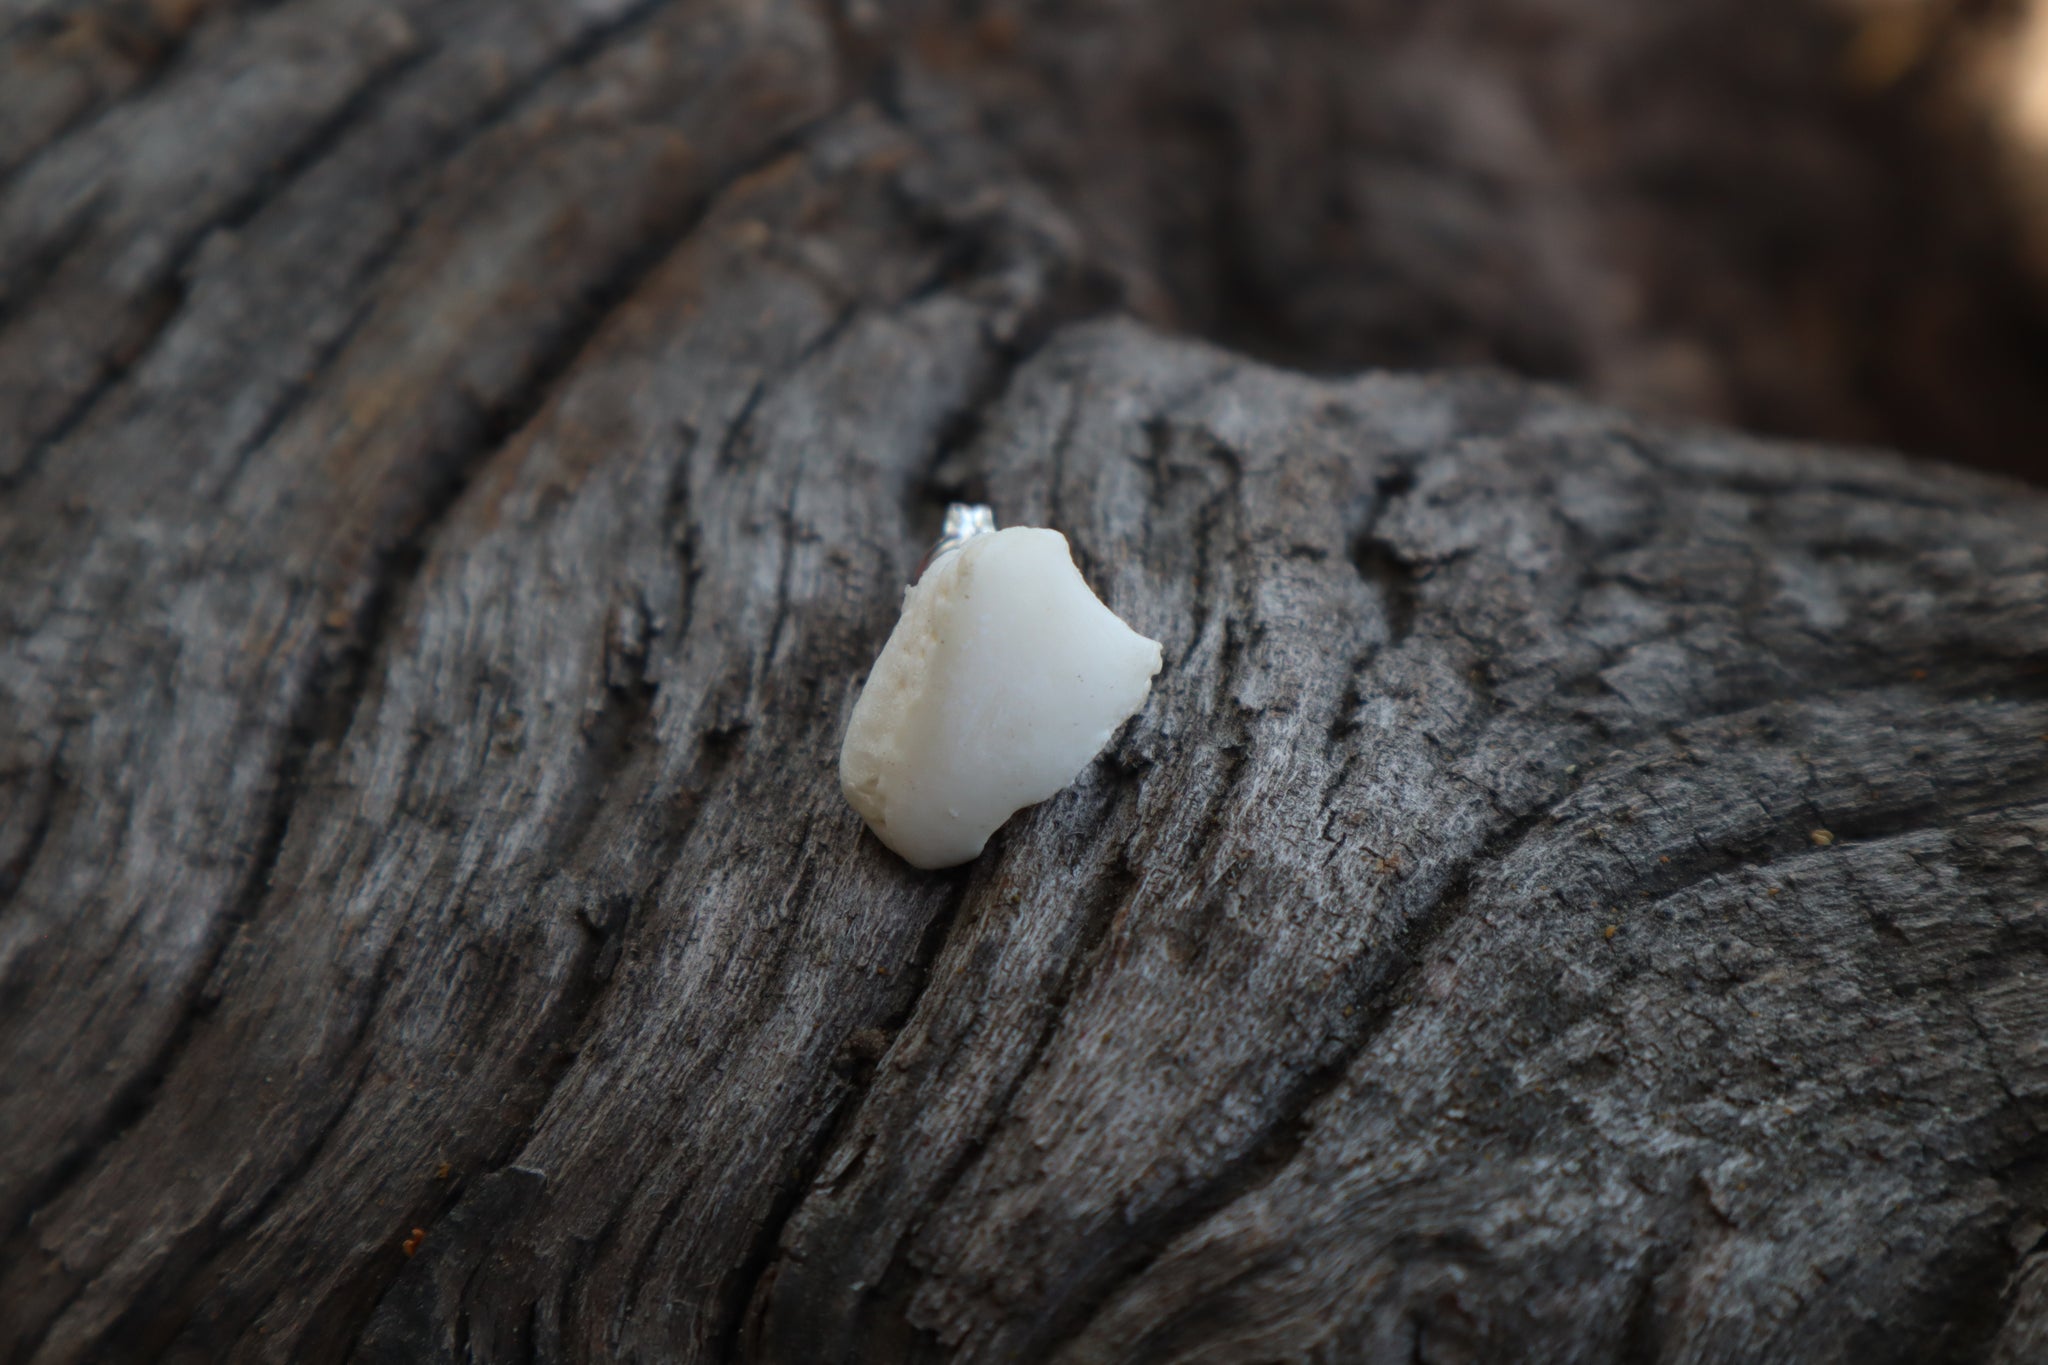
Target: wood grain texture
point(1577, 891)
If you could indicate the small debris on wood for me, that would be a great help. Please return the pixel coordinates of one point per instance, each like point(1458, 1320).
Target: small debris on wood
point(867, 1044)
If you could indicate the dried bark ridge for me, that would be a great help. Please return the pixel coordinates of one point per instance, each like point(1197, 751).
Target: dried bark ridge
point(1295, 1029)
point(332, 471)
point(1703, 632)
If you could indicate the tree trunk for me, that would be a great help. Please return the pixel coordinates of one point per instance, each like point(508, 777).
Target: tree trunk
point(1577, 891)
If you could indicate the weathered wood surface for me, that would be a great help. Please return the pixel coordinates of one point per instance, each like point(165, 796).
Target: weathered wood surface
point(452, 488)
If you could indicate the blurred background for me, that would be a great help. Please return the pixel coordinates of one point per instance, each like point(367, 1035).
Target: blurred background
point(1814, 218)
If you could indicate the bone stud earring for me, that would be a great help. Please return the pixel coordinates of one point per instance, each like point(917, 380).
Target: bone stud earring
point(1003, 678)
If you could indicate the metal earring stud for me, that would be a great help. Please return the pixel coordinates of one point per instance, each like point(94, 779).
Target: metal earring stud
point(964, 521)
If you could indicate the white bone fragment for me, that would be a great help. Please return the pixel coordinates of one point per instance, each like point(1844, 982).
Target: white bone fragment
point(1004, 676)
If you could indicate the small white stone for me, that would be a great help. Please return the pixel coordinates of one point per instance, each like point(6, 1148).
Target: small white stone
point(1004, 676)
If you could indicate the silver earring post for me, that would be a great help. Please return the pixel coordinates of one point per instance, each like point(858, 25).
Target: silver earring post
point(964, 521)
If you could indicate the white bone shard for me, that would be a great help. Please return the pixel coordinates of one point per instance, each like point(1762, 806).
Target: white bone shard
point(1004, 676)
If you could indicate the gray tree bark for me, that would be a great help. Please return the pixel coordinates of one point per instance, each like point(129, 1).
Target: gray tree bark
point(1577, 891)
